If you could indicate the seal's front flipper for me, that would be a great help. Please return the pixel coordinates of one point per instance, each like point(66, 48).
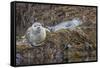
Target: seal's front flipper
point(47, 29)
point(33, 44)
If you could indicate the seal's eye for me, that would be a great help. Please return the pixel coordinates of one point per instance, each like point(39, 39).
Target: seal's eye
point(34, 25)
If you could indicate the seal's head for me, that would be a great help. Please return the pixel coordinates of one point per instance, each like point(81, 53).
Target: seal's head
point(37, 27)
point(36, 34)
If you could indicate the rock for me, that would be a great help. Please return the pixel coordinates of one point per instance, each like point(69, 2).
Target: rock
point(53, 49)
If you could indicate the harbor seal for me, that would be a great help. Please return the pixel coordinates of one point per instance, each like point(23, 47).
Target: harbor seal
point(36, 34)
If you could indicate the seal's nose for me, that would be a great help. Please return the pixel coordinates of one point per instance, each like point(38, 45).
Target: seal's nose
point(38, 27)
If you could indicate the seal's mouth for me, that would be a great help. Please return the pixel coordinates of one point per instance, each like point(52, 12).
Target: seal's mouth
point(38, 30)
